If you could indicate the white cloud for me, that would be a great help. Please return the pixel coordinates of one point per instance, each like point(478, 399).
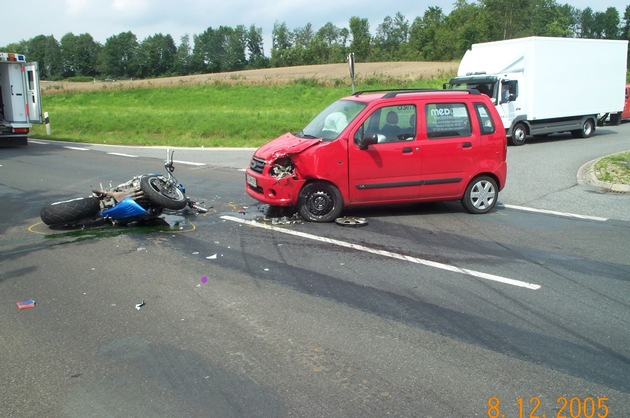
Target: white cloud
point(77, 7)
point(130, 7)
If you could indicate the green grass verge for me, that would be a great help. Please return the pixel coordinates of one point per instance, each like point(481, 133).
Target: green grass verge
point(614, 168)
point(193, 116)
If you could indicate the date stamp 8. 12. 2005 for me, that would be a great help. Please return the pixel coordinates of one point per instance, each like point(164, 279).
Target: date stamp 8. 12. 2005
point(564, 407)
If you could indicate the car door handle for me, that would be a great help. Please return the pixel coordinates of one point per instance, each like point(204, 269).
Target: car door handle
point(407, 150)
point(466, 144)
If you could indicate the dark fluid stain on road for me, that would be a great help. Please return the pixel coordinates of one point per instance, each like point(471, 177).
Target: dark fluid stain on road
point(102, 228)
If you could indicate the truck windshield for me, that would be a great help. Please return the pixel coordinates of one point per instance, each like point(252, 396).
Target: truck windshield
point(487, 87)
point(329, 124)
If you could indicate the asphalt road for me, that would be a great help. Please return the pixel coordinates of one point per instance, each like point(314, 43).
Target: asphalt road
point(426, 311)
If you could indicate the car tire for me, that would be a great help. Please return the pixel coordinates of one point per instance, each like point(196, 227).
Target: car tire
point(481, 195)
point(320, 202)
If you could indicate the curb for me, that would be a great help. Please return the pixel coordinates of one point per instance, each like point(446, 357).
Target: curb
point(586, 176)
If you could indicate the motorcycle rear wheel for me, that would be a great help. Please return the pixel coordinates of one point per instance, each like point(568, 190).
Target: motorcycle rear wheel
point(69, 211)
point(161, 194)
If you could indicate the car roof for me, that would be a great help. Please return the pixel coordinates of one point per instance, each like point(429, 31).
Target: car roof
point(373, 95)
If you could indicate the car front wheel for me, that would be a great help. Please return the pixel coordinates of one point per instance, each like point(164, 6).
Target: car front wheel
point(320, 202)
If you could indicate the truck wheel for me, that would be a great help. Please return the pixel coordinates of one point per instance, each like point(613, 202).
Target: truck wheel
point(481, 195)
point(519, 134)
point(588, 127)
point(320, 202)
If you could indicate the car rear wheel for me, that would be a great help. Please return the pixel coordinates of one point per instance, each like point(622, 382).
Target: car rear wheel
point(320, 202)
point(481, 195)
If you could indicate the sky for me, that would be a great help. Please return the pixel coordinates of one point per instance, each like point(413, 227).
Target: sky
point(25, 19)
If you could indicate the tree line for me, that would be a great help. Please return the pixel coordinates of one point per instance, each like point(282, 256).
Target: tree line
point(433, 36)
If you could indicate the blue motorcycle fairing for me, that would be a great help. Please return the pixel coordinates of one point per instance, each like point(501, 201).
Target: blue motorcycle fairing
point(128, 208)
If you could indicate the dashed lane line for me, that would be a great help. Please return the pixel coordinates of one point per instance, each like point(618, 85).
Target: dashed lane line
point(77, 148)
point(390, 254)
point(120, 154)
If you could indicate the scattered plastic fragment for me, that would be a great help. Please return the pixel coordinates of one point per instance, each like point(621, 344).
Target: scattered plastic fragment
point(26, 304)
point(212, 257)
point(196, 252)
point(351, 221)
point(139, 305)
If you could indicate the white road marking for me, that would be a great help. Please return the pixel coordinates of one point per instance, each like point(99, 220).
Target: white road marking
point(557, 213)
point(77, 148)
point(37, 142)
point(122, 155)
point(429, 263)
point(188, 163)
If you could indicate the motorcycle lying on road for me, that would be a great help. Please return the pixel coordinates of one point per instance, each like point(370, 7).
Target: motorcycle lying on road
point(141, 199)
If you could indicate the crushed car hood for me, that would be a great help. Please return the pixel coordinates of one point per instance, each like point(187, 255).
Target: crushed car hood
point(285, 145)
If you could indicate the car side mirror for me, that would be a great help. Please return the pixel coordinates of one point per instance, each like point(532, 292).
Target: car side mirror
point(367, 140)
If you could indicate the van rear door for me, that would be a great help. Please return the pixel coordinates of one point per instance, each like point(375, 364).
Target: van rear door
point(31, 70)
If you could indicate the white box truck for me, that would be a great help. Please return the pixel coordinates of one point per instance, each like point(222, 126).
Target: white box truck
point(20, 95)
point(543, 85)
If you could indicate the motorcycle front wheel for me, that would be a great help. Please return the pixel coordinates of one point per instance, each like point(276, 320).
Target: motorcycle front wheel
point(69, 211)
point(160, 193)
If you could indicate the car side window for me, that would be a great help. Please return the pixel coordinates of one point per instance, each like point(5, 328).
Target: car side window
point(392, 123)
point(447, 120)
point(485, 120)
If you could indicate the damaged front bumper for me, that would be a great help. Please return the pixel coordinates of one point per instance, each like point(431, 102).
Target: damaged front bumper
point(277, 185)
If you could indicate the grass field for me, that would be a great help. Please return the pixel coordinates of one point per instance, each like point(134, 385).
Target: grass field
point(244, 109)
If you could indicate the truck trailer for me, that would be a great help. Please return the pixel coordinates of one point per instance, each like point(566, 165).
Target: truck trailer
point(544, 85)
point(20, 104)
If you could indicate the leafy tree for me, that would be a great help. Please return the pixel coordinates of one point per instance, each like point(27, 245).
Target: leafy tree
point(256, 51)
point(467, 24)
point(182, 64)
point(610, 23)
point(331, 42)
point(625, 29)
point(235, 40)
point(120, 55)
point(282, 42)
point(361, 38)
point(548, 19)
point(510, 18)
point(425, 33)
point(156, 55)
point(79, 55)
point(390, 35)
point(301, 51)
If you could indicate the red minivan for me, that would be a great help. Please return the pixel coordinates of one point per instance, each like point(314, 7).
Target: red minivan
point(386, 147)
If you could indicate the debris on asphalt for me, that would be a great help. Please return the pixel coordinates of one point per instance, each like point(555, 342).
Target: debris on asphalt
point(26, 304)
point(351, 221)
point(139, 305)
point(212, 257)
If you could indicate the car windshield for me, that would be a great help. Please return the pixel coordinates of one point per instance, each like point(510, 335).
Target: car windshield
point(329, 124)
